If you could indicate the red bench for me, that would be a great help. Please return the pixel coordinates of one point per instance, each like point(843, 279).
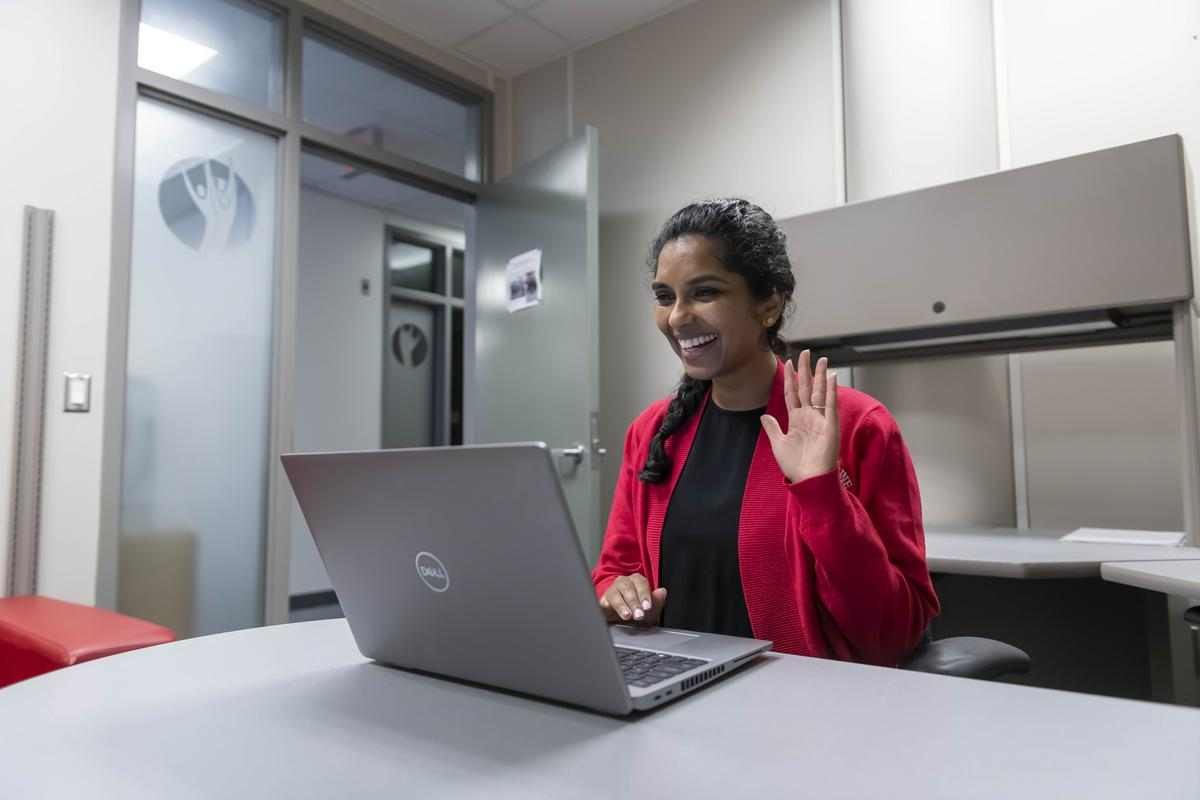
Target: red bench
point(39, 634)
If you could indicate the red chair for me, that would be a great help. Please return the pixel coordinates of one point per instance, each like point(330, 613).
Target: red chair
point(39, 634)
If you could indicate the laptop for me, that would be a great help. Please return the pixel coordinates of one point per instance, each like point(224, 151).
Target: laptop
point(463, 562)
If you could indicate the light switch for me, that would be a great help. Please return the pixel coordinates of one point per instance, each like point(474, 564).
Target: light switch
point(78, 395)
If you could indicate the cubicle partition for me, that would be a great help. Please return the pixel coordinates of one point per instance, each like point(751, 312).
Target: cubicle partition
point(1089, 250)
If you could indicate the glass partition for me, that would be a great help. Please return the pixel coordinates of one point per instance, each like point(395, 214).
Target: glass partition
point(198, 371)
point(230, 46)
point(375, 104)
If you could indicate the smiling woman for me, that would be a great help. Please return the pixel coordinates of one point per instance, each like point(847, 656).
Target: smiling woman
point(760, 498)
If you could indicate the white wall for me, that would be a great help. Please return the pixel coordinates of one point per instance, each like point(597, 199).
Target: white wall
point(718, 98)
point(58, 87)
point(920, 95)
point(540, 102)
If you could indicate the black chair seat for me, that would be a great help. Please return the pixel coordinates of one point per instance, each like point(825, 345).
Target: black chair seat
point(969, 657)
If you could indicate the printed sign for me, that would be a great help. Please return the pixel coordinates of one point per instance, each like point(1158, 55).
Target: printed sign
point(524, 278)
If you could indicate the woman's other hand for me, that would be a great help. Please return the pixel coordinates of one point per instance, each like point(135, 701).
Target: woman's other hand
point(630, 599)
point(810, 446)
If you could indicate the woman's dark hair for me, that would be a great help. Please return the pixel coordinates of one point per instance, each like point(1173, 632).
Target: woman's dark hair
point(750, 244)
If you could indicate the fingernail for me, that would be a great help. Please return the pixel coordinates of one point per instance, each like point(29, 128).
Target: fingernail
point(637, 613)
point(624, 613)
point(646, 604)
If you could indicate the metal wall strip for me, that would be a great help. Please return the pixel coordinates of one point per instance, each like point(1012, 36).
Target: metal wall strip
point(33, 336)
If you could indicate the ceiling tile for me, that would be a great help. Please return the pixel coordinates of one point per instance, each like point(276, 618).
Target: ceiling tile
point(585, 21)
point(442, 22)
point(520, 5)
point(514, 46)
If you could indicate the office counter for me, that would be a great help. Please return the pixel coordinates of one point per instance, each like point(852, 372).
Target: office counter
point(1046, 596)
point(1181, 578)
point(1012, 553)
point(295, 711)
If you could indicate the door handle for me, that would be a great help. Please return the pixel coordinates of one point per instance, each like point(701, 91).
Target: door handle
point(573, 453)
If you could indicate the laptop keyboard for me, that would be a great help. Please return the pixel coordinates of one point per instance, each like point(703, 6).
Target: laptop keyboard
point(643, 668)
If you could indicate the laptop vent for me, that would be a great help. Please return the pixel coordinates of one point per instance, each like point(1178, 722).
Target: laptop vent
point(703, 677)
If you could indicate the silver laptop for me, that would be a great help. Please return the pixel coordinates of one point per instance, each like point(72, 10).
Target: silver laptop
point(463, 562)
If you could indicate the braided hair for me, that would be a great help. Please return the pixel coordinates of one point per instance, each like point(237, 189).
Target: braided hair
point(750, 244)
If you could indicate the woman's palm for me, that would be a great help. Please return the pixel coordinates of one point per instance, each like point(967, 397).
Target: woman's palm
point(810, 446)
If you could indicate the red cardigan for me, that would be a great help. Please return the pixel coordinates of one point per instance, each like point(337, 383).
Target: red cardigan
point(832, 566)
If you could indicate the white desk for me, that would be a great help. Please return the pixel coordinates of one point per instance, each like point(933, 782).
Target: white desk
point(1011, 553)
point(295, 711)
point(1181, 578)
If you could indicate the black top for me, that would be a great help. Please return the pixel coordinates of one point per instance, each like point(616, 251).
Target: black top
point(698, 562)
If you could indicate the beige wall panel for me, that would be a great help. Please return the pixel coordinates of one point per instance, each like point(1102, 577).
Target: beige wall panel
point(920, 111)
point(1102, 438)
point(954, 416)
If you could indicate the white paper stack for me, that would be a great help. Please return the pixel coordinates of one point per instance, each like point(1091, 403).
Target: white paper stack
point(1114, 536)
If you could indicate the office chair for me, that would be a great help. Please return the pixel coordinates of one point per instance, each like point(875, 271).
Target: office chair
point(1192, 618)
point(969, 657)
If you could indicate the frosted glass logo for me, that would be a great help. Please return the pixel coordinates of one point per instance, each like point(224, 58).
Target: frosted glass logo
point(410, 345)
point(206, 204)
point(432, 572)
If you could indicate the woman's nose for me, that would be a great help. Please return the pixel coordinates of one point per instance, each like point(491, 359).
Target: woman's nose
point(680, 314)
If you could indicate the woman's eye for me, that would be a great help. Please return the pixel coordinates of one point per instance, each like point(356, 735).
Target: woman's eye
point(706, 291)
point(663, 299)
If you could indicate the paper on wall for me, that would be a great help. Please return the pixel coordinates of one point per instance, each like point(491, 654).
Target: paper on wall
point(523, 275)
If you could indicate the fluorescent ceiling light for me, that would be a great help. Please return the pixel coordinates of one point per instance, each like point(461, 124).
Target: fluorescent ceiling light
point(170, 54)
point(1049, 330)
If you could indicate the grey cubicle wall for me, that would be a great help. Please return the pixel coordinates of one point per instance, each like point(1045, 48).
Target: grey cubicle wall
point(1097, 232)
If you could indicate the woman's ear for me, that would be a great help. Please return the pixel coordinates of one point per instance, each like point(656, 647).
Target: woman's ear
point(770, 310)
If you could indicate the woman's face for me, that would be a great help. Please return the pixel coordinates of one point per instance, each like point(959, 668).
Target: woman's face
point(706, 311)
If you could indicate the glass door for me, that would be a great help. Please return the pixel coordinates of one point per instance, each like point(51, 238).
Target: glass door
point(198, 368)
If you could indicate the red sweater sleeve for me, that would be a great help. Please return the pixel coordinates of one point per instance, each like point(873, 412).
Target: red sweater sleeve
point(621, 552)
point(868, 546)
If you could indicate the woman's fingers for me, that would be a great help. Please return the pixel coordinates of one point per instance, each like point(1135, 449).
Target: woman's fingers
point(658, 598)
point(804, 379)
point(630, 598)
point(831, 401)
point(642, 587)
point(771, 426)
point(817, 394)
point(614, 599)
point(789, 386)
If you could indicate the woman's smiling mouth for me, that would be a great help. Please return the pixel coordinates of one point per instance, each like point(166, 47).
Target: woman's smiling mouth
point(696, 344)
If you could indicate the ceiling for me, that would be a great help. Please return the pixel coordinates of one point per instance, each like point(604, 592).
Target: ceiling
point(510, 37)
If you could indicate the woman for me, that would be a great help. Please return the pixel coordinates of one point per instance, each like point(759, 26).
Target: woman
point(761, 500)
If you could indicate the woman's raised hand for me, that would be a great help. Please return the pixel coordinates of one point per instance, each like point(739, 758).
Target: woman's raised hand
point(810, 446)
point(630, 599)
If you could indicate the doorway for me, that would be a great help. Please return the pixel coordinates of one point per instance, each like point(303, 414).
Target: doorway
point(379, 330)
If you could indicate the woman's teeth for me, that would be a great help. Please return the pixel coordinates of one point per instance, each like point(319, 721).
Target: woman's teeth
point(699, 341)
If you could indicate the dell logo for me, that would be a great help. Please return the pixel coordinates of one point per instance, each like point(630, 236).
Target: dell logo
point(432, 572)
